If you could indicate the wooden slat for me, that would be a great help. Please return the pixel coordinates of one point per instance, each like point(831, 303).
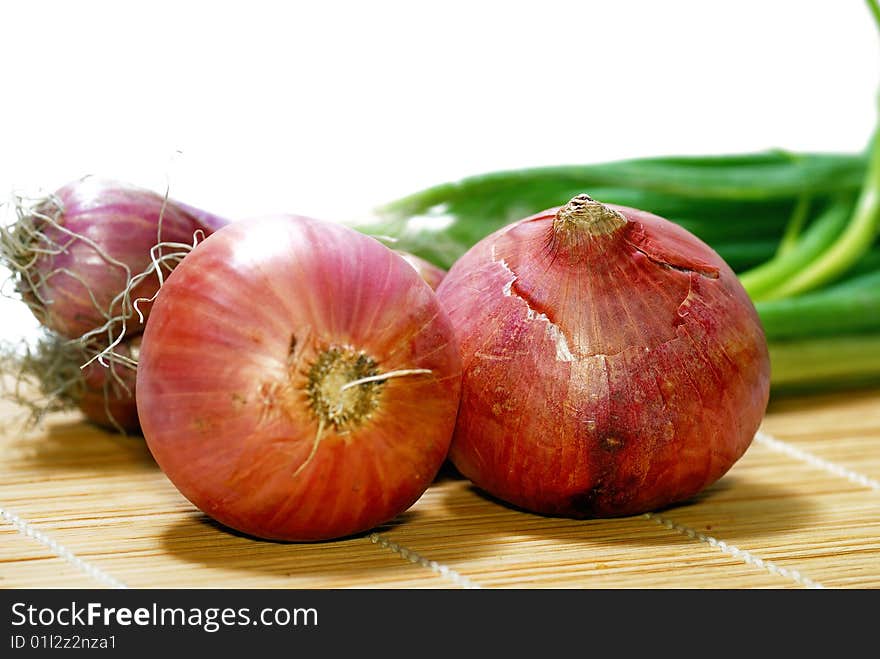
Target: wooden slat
point(843, 428)
point(102, 498)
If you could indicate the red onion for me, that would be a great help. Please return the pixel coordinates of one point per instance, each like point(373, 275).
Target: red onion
point(612, 363)
point(297, 380)
point(432, 274)
point(74, 253)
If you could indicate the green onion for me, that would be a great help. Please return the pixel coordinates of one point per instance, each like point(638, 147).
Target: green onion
point(823, 363)
point(730, 198)
point(763, 281)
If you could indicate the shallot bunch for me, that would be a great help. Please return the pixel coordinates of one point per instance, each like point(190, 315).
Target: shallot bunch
point(298, 380)
point(87, 260)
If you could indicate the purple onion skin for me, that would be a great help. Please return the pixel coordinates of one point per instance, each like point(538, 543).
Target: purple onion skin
point(209, 221)
point(123, 222)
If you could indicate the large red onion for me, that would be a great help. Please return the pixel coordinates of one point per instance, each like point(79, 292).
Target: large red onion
point(74, 253)
point(298, 380)
point(612, 362)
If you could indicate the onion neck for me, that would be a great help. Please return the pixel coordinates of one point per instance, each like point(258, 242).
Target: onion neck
point(584, 215)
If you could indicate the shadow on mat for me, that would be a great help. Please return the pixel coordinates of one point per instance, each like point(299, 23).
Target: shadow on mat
point(733, 509)
point(72, 446)
point(203, 542)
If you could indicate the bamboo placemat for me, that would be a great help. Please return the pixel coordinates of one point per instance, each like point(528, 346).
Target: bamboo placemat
point(84, 508)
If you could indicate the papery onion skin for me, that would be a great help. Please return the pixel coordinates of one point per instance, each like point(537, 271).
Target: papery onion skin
point(72, 284)
point(226, 362)
point(603, 375)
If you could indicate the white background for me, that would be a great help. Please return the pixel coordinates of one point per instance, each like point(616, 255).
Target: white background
point(329, 108)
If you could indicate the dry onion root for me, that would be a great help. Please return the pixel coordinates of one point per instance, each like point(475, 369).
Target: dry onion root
point(298, 380)
point(612, 362)
point(46, 376)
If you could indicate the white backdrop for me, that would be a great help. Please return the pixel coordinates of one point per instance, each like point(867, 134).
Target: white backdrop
point(329, 108)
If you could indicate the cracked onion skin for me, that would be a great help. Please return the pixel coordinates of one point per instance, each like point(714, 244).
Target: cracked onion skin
point(241, 374)
point(612, 362)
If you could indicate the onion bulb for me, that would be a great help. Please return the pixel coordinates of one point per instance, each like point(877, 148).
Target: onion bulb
point(612, 363)
point(74, 254)
point(297, 380)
